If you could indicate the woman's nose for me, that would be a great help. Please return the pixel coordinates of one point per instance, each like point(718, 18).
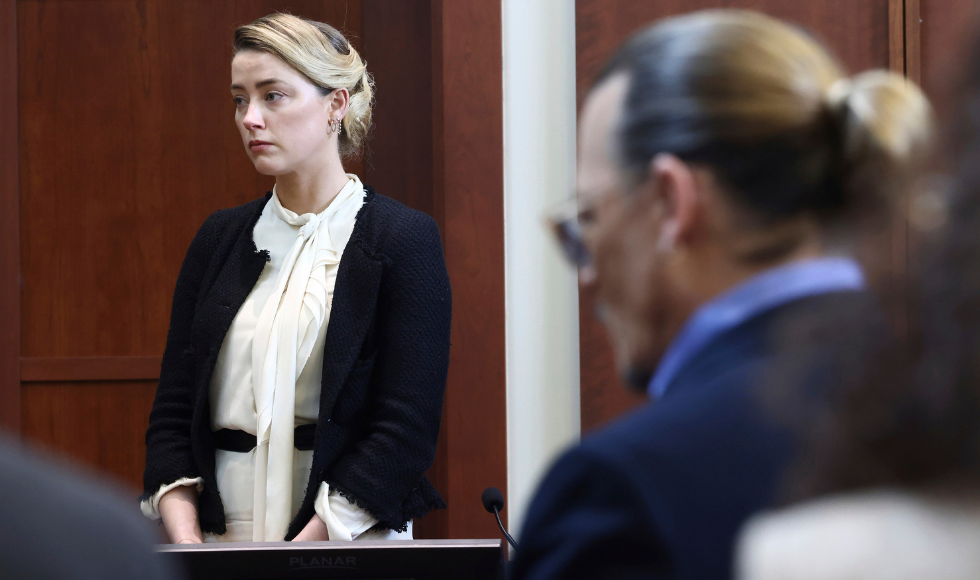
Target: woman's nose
point(253, 118)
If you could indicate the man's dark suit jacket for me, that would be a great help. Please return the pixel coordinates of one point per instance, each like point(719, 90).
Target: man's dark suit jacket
point(663, 492)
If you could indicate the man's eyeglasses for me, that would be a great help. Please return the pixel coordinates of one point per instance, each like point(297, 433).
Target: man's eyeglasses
point(566, 223)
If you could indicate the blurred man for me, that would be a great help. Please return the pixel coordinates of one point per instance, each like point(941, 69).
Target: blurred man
point(723, 166)
point(56, 524)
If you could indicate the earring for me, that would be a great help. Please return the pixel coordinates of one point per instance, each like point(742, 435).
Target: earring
point(336, 125)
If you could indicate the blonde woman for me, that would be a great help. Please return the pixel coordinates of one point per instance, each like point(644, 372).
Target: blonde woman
point(303, 376)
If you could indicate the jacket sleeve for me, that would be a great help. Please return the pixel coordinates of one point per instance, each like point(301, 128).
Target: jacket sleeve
point(409, 379)
point(168, 439)
point(587, 521)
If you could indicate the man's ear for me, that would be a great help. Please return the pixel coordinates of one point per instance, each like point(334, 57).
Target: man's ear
point(678, 192)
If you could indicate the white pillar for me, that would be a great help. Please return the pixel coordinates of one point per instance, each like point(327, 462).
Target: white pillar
point(543, 411)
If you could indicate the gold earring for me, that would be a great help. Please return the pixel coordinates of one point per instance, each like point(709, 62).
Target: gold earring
point(335, 126)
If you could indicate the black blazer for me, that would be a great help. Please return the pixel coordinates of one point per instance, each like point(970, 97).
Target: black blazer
point(663, 492)
point(385, 361)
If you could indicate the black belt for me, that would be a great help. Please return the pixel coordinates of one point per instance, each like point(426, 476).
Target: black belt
point(242, 442)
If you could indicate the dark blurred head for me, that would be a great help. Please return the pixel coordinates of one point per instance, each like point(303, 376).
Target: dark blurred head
point(913, 419)
point(721, 143)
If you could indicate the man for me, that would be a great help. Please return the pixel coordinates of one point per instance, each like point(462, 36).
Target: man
point(709, 184)
point(58, 524)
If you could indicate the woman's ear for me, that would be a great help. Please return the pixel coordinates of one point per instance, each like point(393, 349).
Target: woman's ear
point(676, 187)
point(337, 103)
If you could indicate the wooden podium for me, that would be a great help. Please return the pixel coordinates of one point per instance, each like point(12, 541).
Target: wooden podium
point(377, 560)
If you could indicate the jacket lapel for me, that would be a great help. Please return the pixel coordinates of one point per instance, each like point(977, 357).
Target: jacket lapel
point(235, 270)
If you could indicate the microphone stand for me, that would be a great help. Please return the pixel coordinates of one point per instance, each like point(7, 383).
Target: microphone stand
point(510, 540)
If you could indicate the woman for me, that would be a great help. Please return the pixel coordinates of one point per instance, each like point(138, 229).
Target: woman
point(888, 487)
point(302, 381)
point(728, 170)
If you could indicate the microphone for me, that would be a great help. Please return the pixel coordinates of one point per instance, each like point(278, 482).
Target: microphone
point(493, 502)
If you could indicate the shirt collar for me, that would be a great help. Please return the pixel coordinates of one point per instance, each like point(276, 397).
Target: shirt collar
point(758, 294)
point(292, 218)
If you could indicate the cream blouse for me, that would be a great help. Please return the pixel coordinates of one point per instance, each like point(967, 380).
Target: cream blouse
point(287, 311)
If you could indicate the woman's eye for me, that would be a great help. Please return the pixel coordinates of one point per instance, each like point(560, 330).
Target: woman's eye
point(271, 97)
point(239, 101)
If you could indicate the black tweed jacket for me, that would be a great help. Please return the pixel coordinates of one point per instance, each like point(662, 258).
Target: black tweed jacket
point(384, 366)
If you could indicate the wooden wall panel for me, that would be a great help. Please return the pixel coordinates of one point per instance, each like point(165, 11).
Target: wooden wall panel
point(93, 423)
point(948, 31)
point(398, 50)
point(468, 121)
point(398, 44)
point(90, 368)
point(9, 229)
point(857, 30)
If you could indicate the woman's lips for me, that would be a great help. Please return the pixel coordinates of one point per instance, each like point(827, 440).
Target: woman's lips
point(259, 146)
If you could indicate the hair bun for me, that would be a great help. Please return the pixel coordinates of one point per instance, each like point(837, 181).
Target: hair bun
point(885, 126)
point(838, 93)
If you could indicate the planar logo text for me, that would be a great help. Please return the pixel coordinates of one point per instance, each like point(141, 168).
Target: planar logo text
point(323, 562)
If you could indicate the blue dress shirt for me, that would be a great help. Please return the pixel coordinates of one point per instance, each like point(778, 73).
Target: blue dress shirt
point(758, 294)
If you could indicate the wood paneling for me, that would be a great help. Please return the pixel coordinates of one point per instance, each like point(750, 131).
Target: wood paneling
point(9, 228)
point(438, 524)
point(856, 30)
point(948, 31)
point(896, 36)
point(97, 424)
point(469, 180)
point(398, 50)
point(398, 43)
point(913, 40)
point(90, 368)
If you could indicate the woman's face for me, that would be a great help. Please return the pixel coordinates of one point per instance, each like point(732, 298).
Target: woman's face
point(283, 119)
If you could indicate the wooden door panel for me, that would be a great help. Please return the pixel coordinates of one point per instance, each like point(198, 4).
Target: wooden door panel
point(398, 51)
point(9, 230)
point(948, 32)
point(856, 30)
point(469, 187)
point(99, 424)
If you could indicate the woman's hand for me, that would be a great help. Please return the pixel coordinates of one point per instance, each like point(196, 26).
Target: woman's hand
point(178, 509)
point(315, 531)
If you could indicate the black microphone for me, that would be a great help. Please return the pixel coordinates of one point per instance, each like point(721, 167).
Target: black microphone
point(493, 502)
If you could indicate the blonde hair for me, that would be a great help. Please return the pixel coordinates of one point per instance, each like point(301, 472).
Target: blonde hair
point(321, 54)
point(768, 109)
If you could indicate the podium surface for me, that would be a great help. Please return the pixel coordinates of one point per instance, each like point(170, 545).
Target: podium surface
point(380, 560)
